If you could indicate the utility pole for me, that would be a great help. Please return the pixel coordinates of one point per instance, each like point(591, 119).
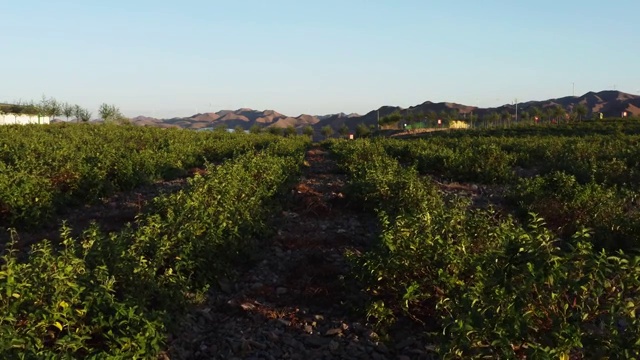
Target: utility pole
point(516, 101)
point(378, 119)
point(573, 89)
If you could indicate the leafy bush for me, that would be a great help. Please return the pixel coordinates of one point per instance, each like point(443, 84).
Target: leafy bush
point(56, 304)
point(378, 182)
point(484, 286)
point(114, 295)
point(62, 165)
point(569, 206)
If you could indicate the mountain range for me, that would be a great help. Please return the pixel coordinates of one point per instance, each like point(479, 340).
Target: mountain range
point(610, 103)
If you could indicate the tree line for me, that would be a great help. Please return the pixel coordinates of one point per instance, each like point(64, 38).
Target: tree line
point(53, 108)
point(549, 114)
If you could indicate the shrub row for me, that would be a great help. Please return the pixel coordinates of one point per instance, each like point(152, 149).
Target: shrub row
point(46, 168)
point(606, 159)
point(486, 286)
point(114, 295)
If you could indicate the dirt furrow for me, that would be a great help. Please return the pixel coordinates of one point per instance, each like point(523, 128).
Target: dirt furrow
point(299, 301)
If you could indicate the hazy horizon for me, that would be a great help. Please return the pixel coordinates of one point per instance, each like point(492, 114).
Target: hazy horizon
point(166, 59)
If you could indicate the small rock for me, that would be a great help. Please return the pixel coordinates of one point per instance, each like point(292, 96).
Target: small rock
point(281, 291)
point(257, 345)
point(225, 286)
point(256, 286)
point(290, 341)
point(334, 345)
point(341, 231)
point(333, 332)
point(373, 336)
point(315, 341)
point(308, 329)
point(247, 306)
point(273, 336)
point(284, 322)
point(403, 357)
point(318, 317)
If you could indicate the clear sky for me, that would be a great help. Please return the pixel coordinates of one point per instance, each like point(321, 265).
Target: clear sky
point(173, 58)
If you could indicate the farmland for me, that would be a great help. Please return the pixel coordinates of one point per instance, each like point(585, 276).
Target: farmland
point(501, 243)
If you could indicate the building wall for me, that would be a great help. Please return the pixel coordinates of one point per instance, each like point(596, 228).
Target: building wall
point(10, 119)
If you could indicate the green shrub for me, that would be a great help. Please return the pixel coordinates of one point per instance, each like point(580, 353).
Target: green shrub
point(482, 285)
point(568, 206)
point(56, 304)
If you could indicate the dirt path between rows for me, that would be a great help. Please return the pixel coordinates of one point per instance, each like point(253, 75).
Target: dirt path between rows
point(299, 301)
point(110, 214)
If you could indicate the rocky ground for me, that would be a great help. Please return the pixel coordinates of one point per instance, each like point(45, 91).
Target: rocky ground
point(298, 302)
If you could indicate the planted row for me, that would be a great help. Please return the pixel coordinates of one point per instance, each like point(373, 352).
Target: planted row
point(484, 285)
point(115, 295)
point(46, 168)
point(606, 159)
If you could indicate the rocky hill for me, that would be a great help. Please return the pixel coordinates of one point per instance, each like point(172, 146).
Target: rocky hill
point(610, 103)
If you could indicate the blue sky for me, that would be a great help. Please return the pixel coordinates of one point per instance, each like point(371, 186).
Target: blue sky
point(173, 58)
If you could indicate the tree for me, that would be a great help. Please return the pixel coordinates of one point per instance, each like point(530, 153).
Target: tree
point(432, 117)
point(549, 113)
point(453, 114)
point(416, 117)
point(362, 130)
point(505, 116)
point(492, 118)
point(473, 119)
point(31, 108)
point(343, 130)
point(536, 113)
point(82, 114)
point(275, 130)
point(290, 131)
point(392, 118)
point(67, 110)
point(581, 111)
point(109, 113)
point(77, 112)
point(238, 129)
point(558, 113)
point(50, 107)
point(255, 129)
point(326, 131)
point(308, 130)
point(444, 116)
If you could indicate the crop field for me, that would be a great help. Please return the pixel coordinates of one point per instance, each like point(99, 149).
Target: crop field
point(489, 243)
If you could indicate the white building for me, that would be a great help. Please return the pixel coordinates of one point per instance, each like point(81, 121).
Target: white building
point(23, 119)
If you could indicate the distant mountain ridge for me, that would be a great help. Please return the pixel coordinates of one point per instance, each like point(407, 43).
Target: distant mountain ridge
point(608, 102)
